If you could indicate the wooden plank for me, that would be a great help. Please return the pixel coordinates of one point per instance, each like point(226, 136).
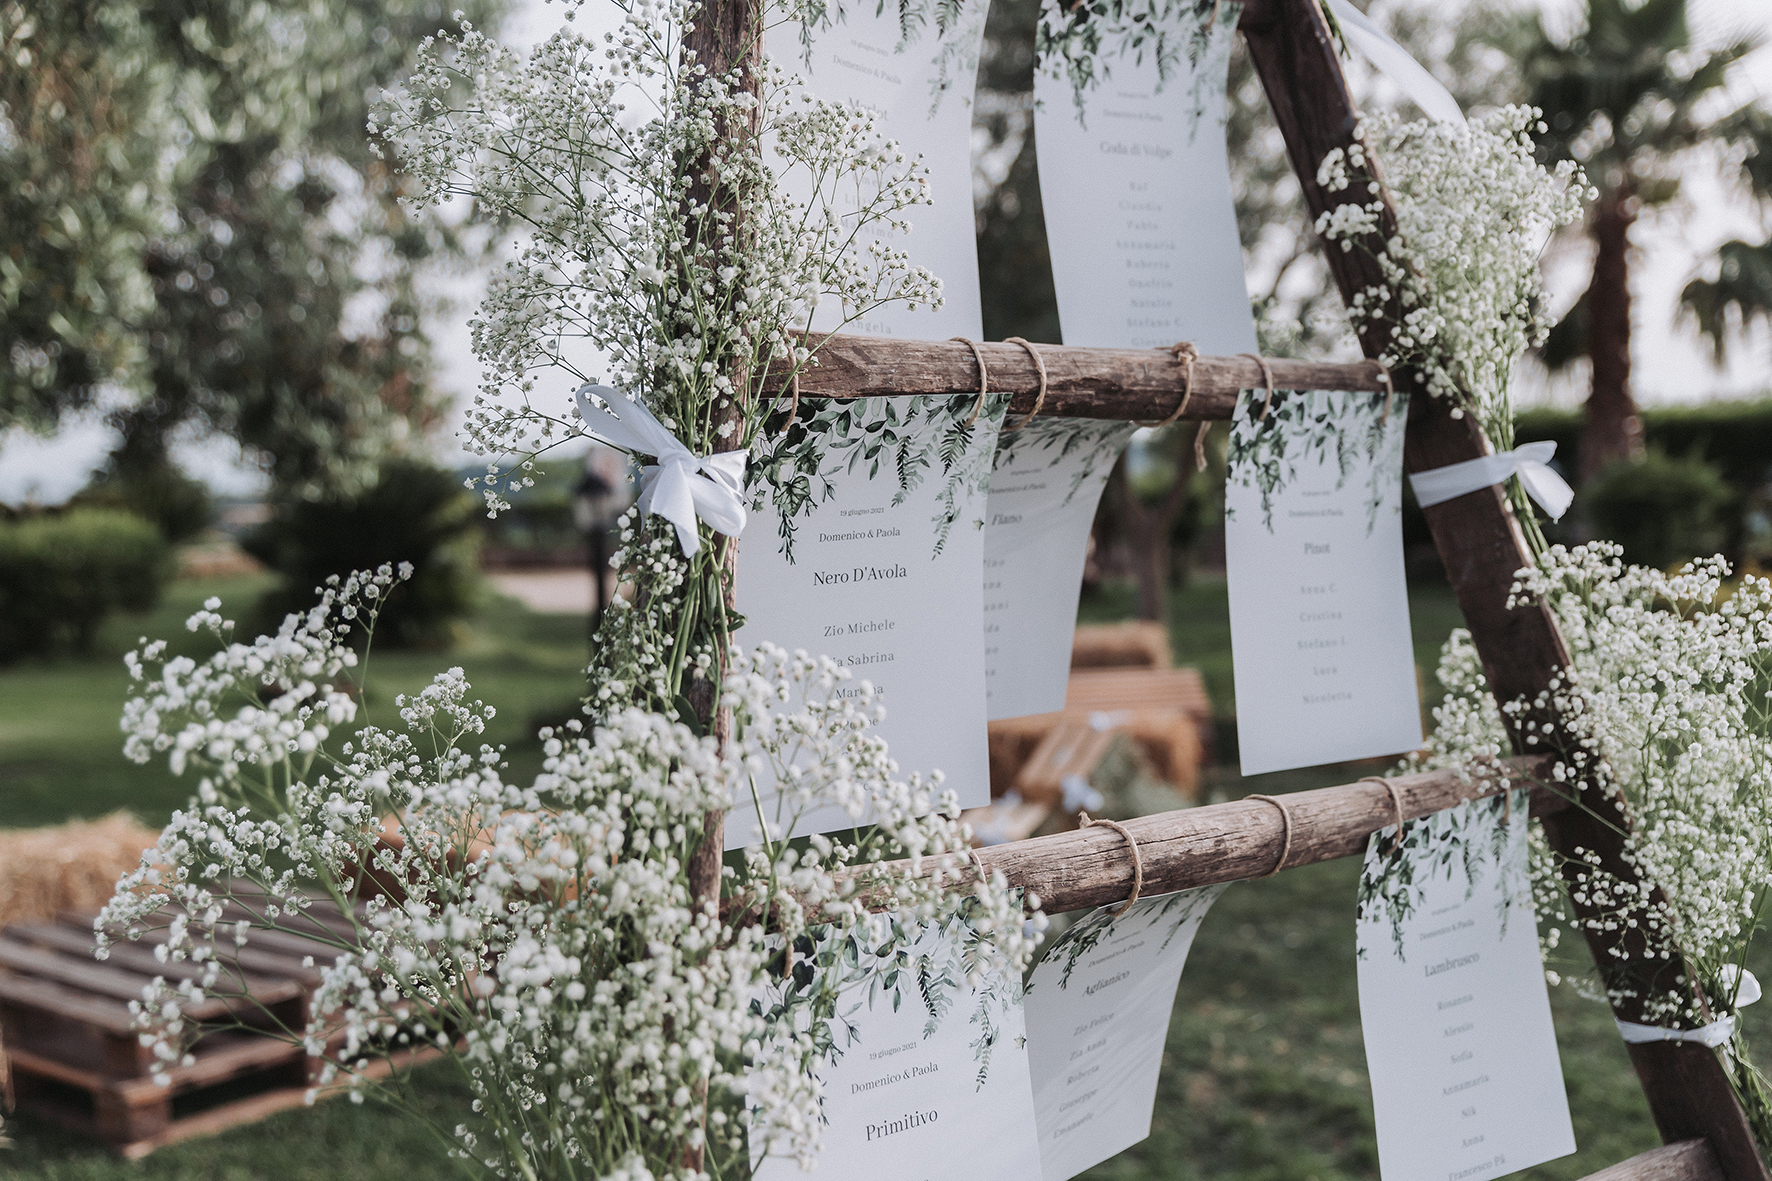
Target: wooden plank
point(1109, 689)
point(91, 976)
point(248, 1111)
point(267, 989)
point(47, 996)
point(281, 939)
point(215, 1063)
point(1000, 821)
point(1081, 382)
point(253, 957)
point(1072, 747)
point(1482, 546)
point(1683, 1160)
point(319, 919)
point(1230, 842)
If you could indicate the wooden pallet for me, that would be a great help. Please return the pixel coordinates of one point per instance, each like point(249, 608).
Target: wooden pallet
point(1144, 690)
point(1165, 711)
point(76, 1060)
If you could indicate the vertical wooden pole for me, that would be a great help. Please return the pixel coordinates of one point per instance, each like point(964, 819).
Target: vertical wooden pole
point(724, 42)
point(1481, 544)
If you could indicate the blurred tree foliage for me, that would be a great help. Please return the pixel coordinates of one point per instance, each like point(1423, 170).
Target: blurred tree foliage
point(190, 211)
point(173, 502)
point(1631, 97)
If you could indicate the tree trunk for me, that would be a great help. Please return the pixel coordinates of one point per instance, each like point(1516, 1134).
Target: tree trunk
point(1611, 430)
point(1148, 528)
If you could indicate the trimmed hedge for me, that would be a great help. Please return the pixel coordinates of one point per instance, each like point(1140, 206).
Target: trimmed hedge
point(62, 574)
point(416, 513)
point(1663, 509)
point(1734, 437)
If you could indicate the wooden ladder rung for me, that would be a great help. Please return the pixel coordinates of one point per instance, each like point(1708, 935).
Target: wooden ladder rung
point(1684, 1160)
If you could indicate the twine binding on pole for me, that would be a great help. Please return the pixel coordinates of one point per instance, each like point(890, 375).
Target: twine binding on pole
point(1085, 820)
point(1185, 352)
point(1040, 398)
point(1390, 391)
point(794, 406)
point(1267, 378)
point(984, 376)
point(1286, 831)
point(1396, 798)
point(984, 875)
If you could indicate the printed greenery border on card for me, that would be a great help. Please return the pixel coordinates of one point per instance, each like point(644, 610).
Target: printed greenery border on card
point(912, 438)
point(1176, 910)
point(956, 24)
point(1099, 442)
point(1469, 839)
point(1271, 441)
point(928, 964)
point(1071, 39)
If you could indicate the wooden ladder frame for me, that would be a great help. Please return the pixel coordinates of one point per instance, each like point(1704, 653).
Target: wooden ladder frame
point(1702, 1125)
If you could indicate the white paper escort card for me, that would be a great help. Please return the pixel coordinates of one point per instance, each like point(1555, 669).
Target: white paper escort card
point(927, 1076)
point(1320, 642)
point(1466, 1083)
point(1044, 489)
point(866, 545)
point(922, 88)
point(1098, 1008)
point(1143, 238)
point(1136, 186)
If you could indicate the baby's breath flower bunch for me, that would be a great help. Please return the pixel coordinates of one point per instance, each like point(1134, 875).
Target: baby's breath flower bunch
point(546, 938)
point(1667, 706)
point(543, 937)
point(1475, 210)
point(685, 223)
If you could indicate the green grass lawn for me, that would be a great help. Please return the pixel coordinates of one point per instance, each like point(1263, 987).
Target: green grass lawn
point(1265, 1076)
point(61, 751)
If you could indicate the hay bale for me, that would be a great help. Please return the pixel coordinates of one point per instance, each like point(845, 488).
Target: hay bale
point(73, 866)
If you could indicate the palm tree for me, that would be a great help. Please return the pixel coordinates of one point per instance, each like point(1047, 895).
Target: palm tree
point(1628, 98)
point(1743, 283)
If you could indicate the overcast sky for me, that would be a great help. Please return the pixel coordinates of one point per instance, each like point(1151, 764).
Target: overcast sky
point(1671, 363)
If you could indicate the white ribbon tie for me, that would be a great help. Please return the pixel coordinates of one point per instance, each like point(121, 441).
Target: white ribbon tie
point(1713, 1035)
point(1395, 63)
point(1529, 462)
point(681, 485)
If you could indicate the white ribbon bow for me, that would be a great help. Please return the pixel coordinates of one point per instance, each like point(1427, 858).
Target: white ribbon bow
point(1527, 462)
point(681, 485)
point(1394, 61)
point(1712, 1035)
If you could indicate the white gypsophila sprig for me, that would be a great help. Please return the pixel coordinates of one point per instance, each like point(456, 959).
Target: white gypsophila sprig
point(543, 937)
point(1462, 297)
point(653, 217)
point(1666, 706)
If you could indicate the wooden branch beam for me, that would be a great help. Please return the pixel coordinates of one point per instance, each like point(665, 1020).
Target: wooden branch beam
point(1231, 842)
point(1684, 1160)
point(1481, 544)
point(1081, 382)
